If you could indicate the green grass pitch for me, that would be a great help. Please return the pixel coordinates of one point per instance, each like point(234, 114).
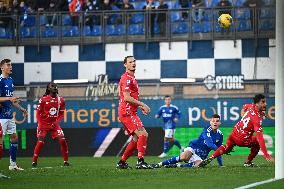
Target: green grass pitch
point(88, 172)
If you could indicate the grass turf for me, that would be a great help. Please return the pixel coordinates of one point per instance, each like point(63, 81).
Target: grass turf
point(88, 172)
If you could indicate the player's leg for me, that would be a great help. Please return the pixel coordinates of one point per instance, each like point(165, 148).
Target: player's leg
point(58, 134)
point(39, 145)
point(167, 143)
point(254, 149)
point(11, 131)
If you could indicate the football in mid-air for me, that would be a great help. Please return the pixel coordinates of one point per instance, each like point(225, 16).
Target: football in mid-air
point(225, 20)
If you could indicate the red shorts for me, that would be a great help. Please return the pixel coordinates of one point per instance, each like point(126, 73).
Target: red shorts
point(55, 132)
point(131, 123)
point(1, 131)
point(242, 142)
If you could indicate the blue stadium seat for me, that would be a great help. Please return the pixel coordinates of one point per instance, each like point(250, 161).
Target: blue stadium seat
point(49, 32)
point(120, 29)
point(175, 16)
point(3, 33)
point(72, 31)
point(136, 29)
point(139, 5)
point(87, 31)
point(206, 27)
point(244, 25)
point(110, 30)
point(29, 21)
point(207, 15)
point(239, 3)
point(156, 29)
point(28, 32)
point(137, 18)
point(214, 3)
point(97, 30)
point(42, 20)
point(267, 13)
point(180, 27)
point(66, 20)
point(197, 28)
point(171, 4)
point(242, 14)
point(267, 24)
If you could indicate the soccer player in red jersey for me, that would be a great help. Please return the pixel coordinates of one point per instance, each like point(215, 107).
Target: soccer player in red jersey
point(242, 134)
point(49, 114)
point(127, 112)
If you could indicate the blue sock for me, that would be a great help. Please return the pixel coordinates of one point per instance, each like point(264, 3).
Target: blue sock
point(172, 160)
point(187, 165)
point(176, 142)
point(166, 146)
point(13, 152)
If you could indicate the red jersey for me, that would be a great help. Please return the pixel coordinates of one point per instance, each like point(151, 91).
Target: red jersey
point(249, 124)
point(129, 84)
point(50, 111)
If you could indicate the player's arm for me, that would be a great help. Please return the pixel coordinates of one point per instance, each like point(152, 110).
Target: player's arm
point(260, 139)
point(127, 98)
point(208, 140)
point(178, 115)
point(18, 106)
point(61, 111)
point(12, 99)
point(39, 111)
point(219, 143)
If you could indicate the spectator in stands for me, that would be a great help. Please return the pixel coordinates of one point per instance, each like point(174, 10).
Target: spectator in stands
point(125, 5)
point(62, 5)
point(106, 6)
point(23, 12)
point(39, 5)
point(3, 18)
point(184, 4)
point(150, 17)
point(197, 11)
point(162, 17)
point(89, 7)
point(226, 6)
point(254, 6)
point(51, 16)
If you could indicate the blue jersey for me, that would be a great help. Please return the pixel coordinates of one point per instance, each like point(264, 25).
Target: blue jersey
point(169, 113)
point(207, 141)
point(6, 90)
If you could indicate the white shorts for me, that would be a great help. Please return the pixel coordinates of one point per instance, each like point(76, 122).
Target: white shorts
point(8, 126)
point(169, 133)
point(194, 157)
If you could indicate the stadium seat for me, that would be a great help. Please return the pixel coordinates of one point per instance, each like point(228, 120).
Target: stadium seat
point(242, 14)
point(267, 24)
point(175, 16)
point(87, 31)
point(267, 13)
point(239, 3)
point(49, 32)
point(42, 20)
point(244, 25)
point(66, 20)
point(3, 33)
point(207, 15)
point(120, 29)
point(137, 18)
point(136, 29)
point(196, 28)
point(206, 27)
point(72, 31)
point(179, 27)
point(29, 21)
point(110, 30)
point(28, 32)
point(214, 3)
point(97, 30)
point(138, 5)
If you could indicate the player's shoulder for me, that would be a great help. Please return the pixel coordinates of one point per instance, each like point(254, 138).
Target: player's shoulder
point(173, 106)
point(207, 129)
point(61, 98)
point(219, 132)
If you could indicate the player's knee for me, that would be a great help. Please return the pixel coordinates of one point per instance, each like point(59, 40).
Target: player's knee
point(14, 138)
point(185, 156)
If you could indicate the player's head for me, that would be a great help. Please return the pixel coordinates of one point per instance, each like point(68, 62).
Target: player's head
point(168, 100)
point(215, 122)
point(130, 63)
point(260, 102)
point(6, 66)
point(51, 89)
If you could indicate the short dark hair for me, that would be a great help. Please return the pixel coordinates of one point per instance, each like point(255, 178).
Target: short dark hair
point(257, 98)
point(6, 60)
point(125, 58)
point(167, 96)
point(216, 116)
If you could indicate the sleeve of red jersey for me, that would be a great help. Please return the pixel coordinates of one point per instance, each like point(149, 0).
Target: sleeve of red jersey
point(61, 110)
point(39, 110)
point(246, 107)
point(125, 84)
point(260, 139)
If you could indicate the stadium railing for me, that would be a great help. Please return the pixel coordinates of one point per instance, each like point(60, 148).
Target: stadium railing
point(61, 28)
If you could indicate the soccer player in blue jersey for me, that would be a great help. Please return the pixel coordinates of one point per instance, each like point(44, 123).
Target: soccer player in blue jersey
point(210, 139)
point(6, 115)
point(170, 115)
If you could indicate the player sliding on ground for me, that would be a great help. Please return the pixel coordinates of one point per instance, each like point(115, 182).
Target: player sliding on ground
point(242, 134)
point(50, 111)
point(127, 112)
point(210, 139)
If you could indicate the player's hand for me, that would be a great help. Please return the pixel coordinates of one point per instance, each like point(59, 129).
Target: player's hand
point(145, 109)
point(25, 112)
point(175, 120)
point(14, 99)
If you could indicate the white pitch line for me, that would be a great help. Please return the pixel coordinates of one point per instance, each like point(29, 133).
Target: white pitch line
point(257, 184)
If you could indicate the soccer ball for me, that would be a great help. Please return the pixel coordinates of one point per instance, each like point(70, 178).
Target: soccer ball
point(225, 20)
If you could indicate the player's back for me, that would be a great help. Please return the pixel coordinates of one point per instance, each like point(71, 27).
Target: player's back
point(6, 90)
point(250, 122)
point(128, 84)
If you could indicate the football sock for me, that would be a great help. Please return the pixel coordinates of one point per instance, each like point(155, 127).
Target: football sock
point(64, 148)
point(37, 150)
point(129, 150)
point(253, 152)
point(176, 142)
point(141, 146)
point(13, 152)
point(1, 151)
point(187, 165)
point(221, 150)
point(166, 146)
point(172, 160)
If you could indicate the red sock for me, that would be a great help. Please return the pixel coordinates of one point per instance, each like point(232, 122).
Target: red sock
point(37, 150)
point(221, 150)
point(141, 146)
point(129, 150)
point(64, 148)
point(1, 151)
point(253, 152)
